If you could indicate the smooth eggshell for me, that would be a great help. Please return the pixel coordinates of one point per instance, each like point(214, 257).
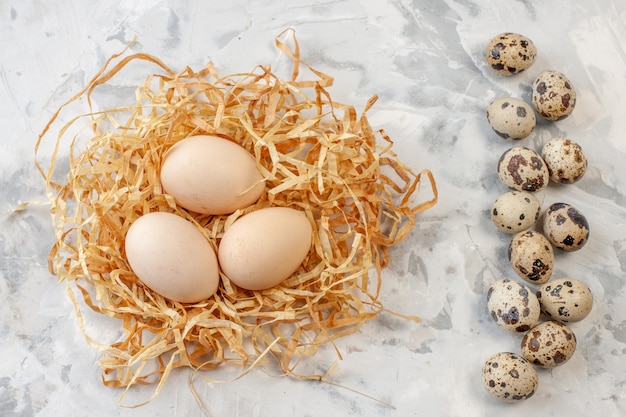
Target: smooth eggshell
point(565, 299)
point(548, 344)
point(509, 377)
point(170, 256)
point(211, 175)
point(264, 247)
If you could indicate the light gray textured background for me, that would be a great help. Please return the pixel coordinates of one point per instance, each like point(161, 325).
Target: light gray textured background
point(425, 61)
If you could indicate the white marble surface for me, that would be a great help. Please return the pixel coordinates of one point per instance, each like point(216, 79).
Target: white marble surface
point(425, 61)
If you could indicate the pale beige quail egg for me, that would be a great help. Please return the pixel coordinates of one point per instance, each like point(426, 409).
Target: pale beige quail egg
point(515, 211)
point(553, 95)
point(510, 53)
point(509, 377)
point(531, 256)
point(565, 227)
point(565, 160)
point(549, 344)
point(512, 305)
point(565, 299)
point(523, 169)
point(511, 118)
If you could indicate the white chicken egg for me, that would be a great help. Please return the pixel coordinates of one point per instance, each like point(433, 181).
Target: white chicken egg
point(172, 257)
point(211, 175)
point(264, 247)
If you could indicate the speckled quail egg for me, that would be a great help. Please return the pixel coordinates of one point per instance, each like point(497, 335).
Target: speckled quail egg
point(512, 305)
point(509, 377)
point(531, 256)
point(523, 169)
point(515, 211)
point(565, 227)
point(565, 160)
point(511, 118)
point(510, 53)
point(565, 299)
point(548, 344)
point(553, 95)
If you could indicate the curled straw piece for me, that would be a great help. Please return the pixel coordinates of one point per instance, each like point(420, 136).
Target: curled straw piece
point(315, 154)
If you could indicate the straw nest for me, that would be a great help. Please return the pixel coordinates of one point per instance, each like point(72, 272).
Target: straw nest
point(316, 155)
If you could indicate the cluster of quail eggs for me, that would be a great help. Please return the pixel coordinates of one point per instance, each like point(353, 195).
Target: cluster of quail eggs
point(542, 310)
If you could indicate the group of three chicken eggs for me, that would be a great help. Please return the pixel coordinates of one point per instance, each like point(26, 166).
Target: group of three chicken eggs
point(211, 175)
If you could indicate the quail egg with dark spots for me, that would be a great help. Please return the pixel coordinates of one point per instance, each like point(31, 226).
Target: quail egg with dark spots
point(510, 53)
point(531, 256)
point(565, 299)
point(565, 160)
point(553, 95)
point(512, 305)
point(549, 344)
point(509, 377)
point(565, 227)
point(515, 211)
point(523, 169)
point(511, 118)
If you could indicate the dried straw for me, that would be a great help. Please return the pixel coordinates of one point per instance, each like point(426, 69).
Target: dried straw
point(316, 155)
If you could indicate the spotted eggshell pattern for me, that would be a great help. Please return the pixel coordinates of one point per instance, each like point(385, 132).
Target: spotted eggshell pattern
point(565, 160)
point(523, 169)
point(512, 305)
point(531, 256)
point(510, 53)
point(553, 95)
point(565, 227)
point(549, 344)
point(511, 118)
point(509, 377)
point(515, 211)
point(565, 299)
